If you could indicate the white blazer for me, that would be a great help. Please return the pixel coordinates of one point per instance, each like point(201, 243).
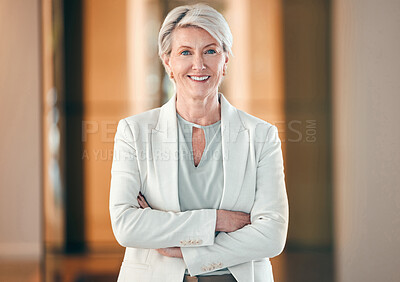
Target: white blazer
point(146, 160)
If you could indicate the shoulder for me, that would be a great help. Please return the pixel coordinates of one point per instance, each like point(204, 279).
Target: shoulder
point(137, 127)
point(147, 120)
point(150, 116)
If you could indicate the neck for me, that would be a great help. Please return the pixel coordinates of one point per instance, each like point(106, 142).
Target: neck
point(202, 112)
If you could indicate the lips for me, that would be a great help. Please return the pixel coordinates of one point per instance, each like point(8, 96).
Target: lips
point(198, 78)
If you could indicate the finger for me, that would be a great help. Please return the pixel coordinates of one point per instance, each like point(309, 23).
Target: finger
point(141, 202)
point(162, 252)
point(145, 205)
point(140, 196)
point(144, 200)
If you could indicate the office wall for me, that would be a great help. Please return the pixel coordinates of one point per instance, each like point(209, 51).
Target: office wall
point(367, 139)
point(20, 119)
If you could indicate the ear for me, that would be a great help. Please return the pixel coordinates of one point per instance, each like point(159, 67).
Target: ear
point(226, 58)
point(165, 60)
point(226, 62)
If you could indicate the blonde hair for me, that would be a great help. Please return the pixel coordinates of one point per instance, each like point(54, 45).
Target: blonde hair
point(198, 15)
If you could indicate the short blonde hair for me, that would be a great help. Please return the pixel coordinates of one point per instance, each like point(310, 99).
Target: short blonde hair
point(198, 15)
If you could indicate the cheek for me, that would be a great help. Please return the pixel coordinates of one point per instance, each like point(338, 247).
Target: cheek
point(179, 65)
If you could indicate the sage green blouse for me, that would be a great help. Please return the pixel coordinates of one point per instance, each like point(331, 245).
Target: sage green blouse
point(200, 187)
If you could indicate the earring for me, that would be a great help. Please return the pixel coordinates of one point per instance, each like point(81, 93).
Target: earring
point(224, 72)
point(171, 75)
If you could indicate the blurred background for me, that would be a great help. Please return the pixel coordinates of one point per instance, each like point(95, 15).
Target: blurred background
point(326, 72)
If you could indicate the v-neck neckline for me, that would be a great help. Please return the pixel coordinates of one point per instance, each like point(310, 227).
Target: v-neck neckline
point(207, 143)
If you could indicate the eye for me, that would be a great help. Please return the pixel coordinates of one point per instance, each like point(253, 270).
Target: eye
point(211, 51)
point(185, 53)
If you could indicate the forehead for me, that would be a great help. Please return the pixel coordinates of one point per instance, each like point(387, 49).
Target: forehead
point(191, 37)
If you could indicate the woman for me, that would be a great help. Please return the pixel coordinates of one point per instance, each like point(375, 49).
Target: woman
point(197, 185)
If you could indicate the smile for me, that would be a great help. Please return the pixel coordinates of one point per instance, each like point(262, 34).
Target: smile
point(199, 78)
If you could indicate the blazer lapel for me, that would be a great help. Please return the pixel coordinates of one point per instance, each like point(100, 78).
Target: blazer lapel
point(164, 144)
point(235, 148)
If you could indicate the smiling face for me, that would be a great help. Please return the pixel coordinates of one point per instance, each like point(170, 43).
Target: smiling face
point(197, 62)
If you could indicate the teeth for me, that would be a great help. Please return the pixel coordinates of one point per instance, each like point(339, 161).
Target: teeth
point(199, 78)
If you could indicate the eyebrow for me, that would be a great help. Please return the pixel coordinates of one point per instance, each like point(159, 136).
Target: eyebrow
point(188, 47)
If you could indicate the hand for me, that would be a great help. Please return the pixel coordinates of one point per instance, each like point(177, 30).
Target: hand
point(173, 252)
point(229, 221)
point(142, 201)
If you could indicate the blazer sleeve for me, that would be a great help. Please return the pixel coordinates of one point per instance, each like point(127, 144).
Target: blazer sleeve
point(149, 228)
point(266, 235)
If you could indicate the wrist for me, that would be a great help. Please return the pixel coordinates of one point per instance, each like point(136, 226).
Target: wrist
point(218, 221)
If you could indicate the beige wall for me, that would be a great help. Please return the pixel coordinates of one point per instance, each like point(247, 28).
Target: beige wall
point(367, 139)
point(20, 165)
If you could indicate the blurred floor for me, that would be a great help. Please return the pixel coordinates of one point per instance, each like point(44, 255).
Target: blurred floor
point(104, 267)
point(20, 271)
point(96, 267)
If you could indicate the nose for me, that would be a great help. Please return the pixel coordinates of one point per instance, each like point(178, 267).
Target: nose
point(198, 62)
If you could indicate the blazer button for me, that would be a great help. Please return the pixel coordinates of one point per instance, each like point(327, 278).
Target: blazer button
point(219, 264)
point(204, 268)
point(200, 241)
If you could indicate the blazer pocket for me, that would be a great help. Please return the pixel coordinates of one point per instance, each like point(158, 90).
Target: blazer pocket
point(137, 255)
point(135, 265)
point(134, 272)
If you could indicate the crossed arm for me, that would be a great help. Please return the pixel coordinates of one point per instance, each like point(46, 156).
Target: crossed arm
point(227, 221)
